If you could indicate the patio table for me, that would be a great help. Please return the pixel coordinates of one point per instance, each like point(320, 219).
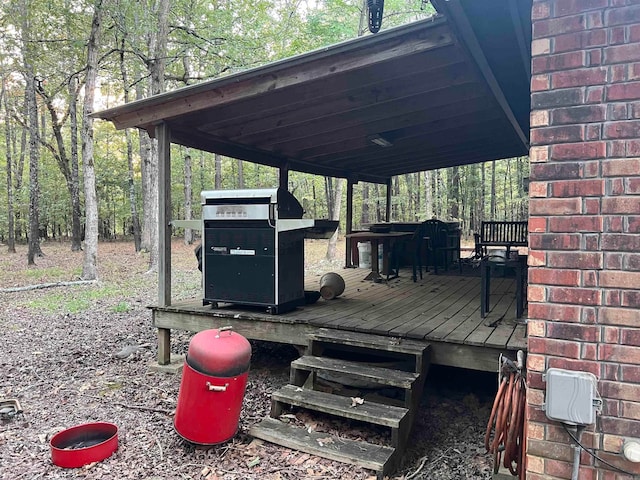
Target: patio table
point(387, 239)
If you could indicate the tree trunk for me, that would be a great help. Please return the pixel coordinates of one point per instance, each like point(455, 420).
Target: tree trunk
point(90, 264)
point(218, 170)
point(76, 229)
point(11, 238)
point(334, 199)
point(365, 204)
point(188, 233)
point(240, 174)
point(133, 204)
point(428, 195)
point(32, 121)
point(493, 191)
point(454, 203)
point(156, 69)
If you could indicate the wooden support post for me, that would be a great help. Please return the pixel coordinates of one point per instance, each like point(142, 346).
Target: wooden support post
point(163, 134)
point(283, 177)
point(164, 346)
point(348, 258)
point(387, 216)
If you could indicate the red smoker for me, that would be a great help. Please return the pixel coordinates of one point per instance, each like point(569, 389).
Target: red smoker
point(212, 388)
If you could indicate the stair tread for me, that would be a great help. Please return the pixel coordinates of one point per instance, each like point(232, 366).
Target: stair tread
point(370, 412)
point(379, 375)
point(379, 342)
point(363, 454)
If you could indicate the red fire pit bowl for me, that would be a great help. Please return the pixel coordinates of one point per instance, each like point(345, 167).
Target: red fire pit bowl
point(84, 444)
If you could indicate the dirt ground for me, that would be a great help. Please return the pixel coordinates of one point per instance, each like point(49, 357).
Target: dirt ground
point(81, 353)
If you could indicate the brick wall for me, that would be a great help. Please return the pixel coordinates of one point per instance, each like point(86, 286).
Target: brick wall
point(584, 277)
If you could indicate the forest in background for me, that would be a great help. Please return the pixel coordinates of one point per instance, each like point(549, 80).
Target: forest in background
point(67, 176)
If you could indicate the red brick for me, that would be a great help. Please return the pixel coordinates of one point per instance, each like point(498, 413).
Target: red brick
point(558, 348)
point(536, 259)
point(579, 40)
point(591, 169)
point(556, 63)
point(594, 58)
point(630, 336)
point(622, 53)
point(564, 313)
point(628, 129)
point(591, 242)
point(634, 33)
point(578, 151)
point(553, 450)
point(563, 134)
point(557, 468)
point(595, 19)
point(616, 36)
point(593, 132)
point(619, 462)
point(577, 296)
point(589, 351)
point(571, 7)
point(558, 26)
point(557, 98)
point(579, 365)
point(581, 114)
point(554, 242)
point(619, 316)
point(633, 224)
point(579, 223)
point(540, 10)
point(609, 352)
point(633, 186)
point(619, 279)
point(631, 261)
point(630, 373)
point(579, 260)
point(568, 331)
point(632, 148)
point(617, 111)
point(577, 188)
point(621, 242)
point(579, 77)
point(591, 206)
point(612, 298)
point(623, 16)
point(630, 410)
point(594, 94)
point(552, 276)
point(555, 206)
point(537, 224)
point(615, 186)
point(620, 167)
point(616, 148)
point(620, 426)
point(610, 371)
point(589, 278)
point(620, 391)
point(621, 205)
point(611, 334)
point(536, 293)
point(556, 171)
point(631, 299)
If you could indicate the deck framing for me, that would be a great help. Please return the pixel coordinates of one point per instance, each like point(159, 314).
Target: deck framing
point(443, 310)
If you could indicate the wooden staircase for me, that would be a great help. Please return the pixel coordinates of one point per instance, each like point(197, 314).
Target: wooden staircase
point(397, 366)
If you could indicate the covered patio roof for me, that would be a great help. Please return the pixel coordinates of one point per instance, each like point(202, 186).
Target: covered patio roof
point(450, 90)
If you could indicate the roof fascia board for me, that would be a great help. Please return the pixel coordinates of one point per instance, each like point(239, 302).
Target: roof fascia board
point(357, 53)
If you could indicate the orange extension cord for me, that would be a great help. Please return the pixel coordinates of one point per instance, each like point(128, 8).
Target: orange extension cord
point(507, 420)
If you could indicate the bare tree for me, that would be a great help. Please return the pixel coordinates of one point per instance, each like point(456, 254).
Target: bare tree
point(188, 233)
point(334, 200)
point(89, 266)
point(11, 238)
point(218, 169)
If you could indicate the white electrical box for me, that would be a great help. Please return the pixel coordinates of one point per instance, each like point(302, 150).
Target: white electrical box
point(572, 397)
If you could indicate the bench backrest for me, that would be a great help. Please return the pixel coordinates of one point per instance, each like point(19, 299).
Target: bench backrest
point(504, 233)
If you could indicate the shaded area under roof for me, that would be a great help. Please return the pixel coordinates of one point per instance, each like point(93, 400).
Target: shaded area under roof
point(451, 90)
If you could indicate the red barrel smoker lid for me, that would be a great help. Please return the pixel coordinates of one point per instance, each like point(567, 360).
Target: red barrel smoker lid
point(219, 352)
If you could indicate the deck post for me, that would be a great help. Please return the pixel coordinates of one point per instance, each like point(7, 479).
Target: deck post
point(349, 227)
point(387, 215)
point(283, 177)
point(163, 134)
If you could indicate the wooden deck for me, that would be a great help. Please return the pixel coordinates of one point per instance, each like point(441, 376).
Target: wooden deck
point(443, 310)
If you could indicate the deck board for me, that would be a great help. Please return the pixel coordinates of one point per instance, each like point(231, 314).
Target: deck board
point(443, 310)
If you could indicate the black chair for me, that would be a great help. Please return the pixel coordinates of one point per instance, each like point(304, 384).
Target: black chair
point(434, 239)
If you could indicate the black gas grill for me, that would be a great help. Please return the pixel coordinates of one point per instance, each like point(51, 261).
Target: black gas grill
point(253, 246)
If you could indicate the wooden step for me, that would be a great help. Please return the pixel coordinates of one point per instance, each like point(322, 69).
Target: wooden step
point(363, 454)
point(378, 375)
point(374, 342)
point(370, 412)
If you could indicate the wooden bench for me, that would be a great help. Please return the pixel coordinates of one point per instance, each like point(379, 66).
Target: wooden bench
point(500, 234)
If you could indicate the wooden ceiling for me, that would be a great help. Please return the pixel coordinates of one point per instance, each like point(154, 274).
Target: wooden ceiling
point(426, 88)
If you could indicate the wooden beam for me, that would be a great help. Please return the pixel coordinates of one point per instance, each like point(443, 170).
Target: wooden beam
point(472, 44)
point(163, 135)
point(283, 177)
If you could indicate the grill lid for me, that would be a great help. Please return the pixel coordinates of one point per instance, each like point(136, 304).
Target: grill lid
point(250, 204)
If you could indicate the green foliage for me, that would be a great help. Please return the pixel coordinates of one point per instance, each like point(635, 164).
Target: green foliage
point(79, 300)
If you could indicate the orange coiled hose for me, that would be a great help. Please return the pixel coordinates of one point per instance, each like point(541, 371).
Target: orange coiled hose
point(507, 422)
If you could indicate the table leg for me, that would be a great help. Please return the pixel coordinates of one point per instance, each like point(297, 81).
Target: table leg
point(485, 287)
point(375, 269)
